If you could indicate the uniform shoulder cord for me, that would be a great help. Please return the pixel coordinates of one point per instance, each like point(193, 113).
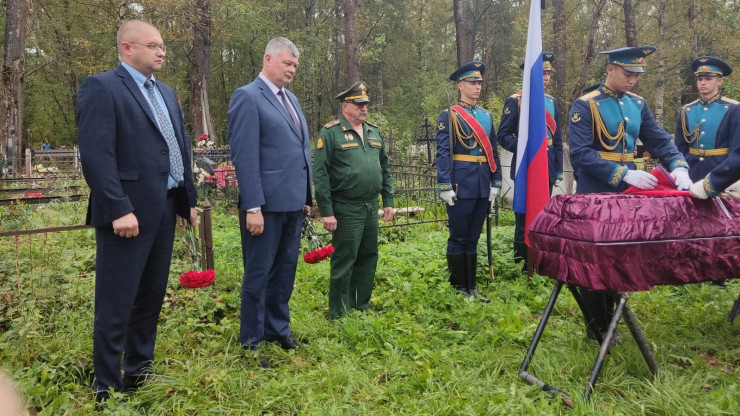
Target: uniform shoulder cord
point(461, 135)
point(689, 137)
point(602, 132)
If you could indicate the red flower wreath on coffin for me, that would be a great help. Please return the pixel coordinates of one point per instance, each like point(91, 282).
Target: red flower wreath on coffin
point(316, 253)
point(192, 278)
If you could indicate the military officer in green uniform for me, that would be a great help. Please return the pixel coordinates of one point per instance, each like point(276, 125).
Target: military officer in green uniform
point(350, 170)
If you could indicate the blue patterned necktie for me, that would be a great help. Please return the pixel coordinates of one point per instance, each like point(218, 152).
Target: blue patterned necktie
point(176, 167)
point(290, 111)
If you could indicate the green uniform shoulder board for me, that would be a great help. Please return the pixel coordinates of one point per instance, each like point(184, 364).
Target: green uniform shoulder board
point(373, 125)
point(331, 123)
point(590, 95)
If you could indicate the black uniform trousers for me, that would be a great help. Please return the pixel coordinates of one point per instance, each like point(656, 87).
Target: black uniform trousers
point(130, 283)
point(466, 220)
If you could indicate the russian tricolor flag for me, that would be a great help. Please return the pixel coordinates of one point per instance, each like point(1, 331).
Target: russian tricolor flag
point(531, 188)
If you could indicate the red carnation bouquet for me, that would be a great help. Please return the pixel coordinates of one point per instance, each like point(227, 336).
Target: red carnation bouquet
point(316, 252)
point(194, 278)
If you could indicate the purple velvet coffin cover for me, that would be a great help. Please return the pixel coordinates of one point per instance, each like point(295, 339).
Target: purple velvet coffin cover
point(621, 242)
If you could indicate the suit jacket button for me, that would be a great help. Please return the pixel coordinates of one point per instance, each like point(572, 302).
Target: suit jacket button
point(164, 173)
point(164, 152)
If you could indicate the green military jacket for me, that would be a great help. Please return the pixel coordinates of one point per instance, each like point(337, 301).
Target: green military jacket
point(347, 170)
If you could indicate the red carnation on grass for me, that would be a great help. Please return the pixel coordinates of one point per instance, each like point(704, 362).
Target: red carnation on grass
point(317, 255)
point(194, 279)
point(316, 252)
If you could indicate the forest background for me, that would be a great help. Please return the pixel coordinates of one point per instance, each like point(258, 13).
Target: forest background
point(404, 51)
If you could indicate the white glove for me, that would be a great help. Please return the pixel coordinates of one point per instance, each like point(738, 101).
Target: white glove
point(557, 183)
point(492, 196)
point(697, 190)
point(681, 175)
point(448, 196)
point(640, 179)
point(732, 191)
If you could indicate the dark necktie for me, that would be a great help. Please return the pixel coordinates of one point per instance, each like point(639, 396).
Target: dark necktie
point(288, 108)
point(176, 167)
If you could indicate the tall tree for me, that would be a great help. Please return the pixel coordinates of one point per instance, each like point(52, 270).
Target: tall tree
point(561, 55)
point(590, 53)
point(630, 28)
point(464, 29)
point(13, 80)
point(351, 45)
point(661, 87)
point(467, 14)
point(200, 71)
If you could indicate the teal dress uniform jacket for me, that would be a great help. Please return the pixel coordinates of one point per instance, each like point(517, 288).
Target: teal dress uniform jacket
point(696, 134)
point(604, 126)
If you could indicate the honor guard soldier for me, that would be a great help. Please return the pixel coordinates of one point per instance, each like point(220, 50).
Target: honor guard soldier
point(508, 129)
point(726, 176)
point(696, 127)
point(350, 170)
point(468, 175)
point(604, 125)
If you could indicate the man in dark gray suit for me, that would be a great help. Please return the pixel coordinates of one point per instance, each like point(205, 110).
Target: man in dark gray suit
point(137, 163)
point(268, 135)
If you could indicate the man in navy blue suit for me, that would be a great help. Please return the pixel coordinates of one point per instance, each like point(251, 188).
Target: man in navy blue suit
point(268, 136)
point(137, 163)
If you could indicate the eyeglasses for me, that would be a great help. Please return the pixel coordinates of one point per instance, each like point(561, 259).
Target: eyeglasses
point(153, 46)
point(360, 105)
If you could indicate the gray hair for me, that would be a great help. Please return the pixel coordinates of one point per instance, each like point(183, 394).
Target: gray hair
point(277, 45)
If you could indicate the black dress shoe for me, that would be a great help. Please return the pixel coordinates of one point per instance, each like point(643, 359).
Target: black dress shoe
point(264, 363)
point(721, 284)
point(478, 296)
point(132, 382)
point(288, 342)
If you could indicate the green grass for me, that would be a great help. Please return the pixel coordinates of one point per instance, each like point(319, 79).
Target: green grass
point(427, 351)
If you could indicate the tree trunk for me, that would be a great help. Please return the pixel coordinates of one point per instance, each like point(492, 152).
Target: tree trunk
point(630, 28)
point(464, 13)
point(590, 50)
point(335, 78)
point(696, 37)
point(13, 81)
point(561, 60)
point(200, 72)
point(351, 45)
point(658, 105)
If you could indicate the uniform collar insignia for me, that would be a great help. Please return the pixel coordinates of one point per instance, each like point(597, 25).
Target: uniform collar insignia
point(710, 100)
point(608, 91)
point(463, 104)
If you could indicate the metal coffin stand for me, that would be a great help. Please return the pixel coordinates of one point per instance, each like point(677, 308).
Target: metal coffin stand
point(605, 343)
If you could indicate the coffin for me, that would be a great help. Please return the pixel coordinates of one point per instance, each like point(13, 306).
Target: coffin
point(621, 242)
